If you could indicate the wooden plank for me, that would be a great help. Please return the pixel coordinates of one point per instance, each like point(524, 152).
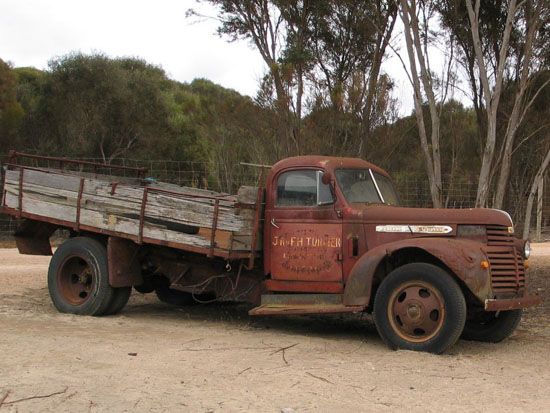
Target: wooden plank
point(247, 195)
point(109, 222)
point(244, 243)
point(104, 186)
point(188, 211)
point(222, 239)
point(55, 196)
point(180, 213)
point(48, 180)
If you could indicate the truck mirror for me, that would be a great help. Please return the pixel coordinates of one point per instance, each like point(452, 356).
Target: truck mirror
point(326, 178)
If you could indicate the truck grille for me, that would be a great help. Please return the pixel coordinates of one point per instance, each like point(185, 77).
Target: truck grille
point(506, 263)
point(497, 235)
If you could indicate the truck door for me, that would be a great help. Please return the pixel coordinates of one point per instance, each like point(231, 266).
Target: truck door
point(305, 231)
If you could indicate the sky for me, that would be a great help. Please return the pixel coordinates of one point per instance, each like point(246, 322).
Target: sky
point(34, 31)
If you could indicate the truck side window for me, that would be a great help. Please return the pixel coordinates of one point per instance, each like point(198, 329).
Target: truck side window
point(302, 188)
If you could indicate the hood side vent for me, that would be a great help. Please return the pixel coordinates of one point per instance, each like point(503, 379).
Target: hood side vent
point(499, 236)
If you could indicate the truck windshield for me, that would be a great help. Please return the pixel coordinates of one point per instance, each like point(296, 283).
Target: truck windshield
point(359, 186)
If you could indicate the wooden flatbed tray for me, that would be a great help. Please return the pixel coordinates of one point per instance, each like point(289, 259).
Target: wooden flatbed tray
point(163, 213)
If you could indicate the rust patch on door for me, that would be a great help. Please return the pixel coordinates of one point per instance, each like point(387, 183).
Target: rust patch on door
point(309, 252)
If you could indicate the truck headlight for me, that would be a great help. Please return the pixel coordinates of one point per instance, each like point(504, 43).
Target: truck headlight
point(527, 249)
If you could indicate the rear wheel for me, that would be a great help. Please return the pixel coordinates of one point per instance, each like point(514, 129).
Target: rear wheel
point(120, 299)
point(78, 278)
point(492, 327)
point(419, 307)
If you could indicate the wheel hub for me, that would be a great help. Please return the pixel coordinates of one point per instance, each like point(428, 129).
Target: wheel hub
point(416, 311)
point(75, 279)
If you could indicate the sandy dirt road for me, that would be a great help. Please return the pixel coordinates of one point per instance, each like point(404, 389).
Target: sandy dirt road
point(153, 357)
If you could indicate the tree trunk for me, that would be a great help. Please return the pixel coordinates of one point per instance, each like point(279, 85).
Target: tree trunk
point(383, 41)
point(491, 95)
point(532, 192)
point(431, 159)
point(538, 235)
point(519, 108)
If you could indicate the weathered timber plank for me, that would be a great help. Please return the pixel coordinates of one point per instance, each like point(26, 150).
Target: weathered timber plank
point(222, 238)
point(49, 180)
point(107, 222)
point(104, 187)
point(195, 216)
point(186, 211)
point(126, 209)
point(244, 242)
point(247, 194)
point(54, 195)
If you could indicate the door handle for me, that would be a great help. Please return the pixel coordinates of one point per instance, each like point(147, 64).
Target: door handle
point(273, 223)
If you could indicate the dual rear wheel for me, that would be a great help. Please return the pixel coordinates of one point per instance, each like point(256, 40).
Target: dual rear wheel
point(78, 280)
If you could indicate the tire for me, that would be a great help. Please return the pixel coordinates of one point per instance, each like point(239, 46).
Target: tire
point(120, 299)
point(419, 307)
point(78, 278)
point(145, 288)
point(492, 327)
point(174, 297)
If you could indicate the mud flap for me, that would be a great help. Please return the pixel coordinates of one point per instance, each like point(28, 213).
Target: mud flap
point(33, 237)
point(124, 267)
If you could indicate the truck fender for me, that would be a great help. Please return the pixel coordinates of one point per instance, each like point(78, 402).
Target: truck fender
point(462, 257)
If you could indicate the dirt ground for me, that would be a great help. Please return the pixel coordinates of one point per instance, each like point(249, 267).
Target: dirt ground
point(153, 357)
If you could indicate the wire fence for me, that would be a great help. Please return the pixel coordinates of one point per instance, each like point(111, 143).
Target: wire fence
point(413, 189)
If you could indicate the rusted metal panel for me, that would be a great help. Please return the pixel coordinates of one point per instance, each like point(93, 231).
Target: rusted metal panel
point(354, 243)
point(257, 220)
point(306, 251)
point(33, 238)
point(214, 228)
point(512, 303)
point(79, 204)
point(124, 266)
point(463, 257)
point(378, 214)
point(301, 299)
point(304, 286)
point(328, 163)
point(142, 214)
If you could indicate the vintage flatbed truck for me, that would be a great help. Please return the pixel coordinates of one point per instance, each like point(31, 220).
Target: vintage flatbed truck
point(325, 235)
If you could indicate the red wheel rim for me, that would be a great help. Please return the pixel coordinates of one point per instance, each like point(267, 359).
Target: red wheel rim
point(76, 280)
point(416, 311)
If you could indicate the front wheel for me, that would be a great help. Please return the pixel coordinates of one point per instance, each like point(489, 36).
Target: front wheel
point(419, 307)
point(492, 327)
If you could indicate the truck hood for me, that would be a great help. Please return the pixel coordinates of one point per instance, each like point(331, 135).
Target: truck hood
point(385, 214)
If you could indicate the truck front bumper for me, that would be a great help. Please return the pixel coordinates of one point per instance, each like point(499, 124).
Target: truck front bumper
point(512, 303)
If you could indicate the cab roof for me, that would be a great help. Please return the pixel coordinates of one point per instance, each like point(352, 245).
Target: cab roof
point(326, 162)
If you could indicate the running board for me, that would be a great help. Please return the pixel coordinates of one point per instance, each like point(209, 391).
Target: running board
point(273, 304)
point(297, 309)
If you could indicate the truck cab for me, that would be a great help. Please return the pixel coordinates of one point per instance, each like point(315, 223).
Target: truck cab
point(336, 240)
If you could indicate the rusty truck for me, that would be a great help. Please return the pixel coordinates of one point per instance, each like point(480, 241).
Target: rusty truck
point(316, 235)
